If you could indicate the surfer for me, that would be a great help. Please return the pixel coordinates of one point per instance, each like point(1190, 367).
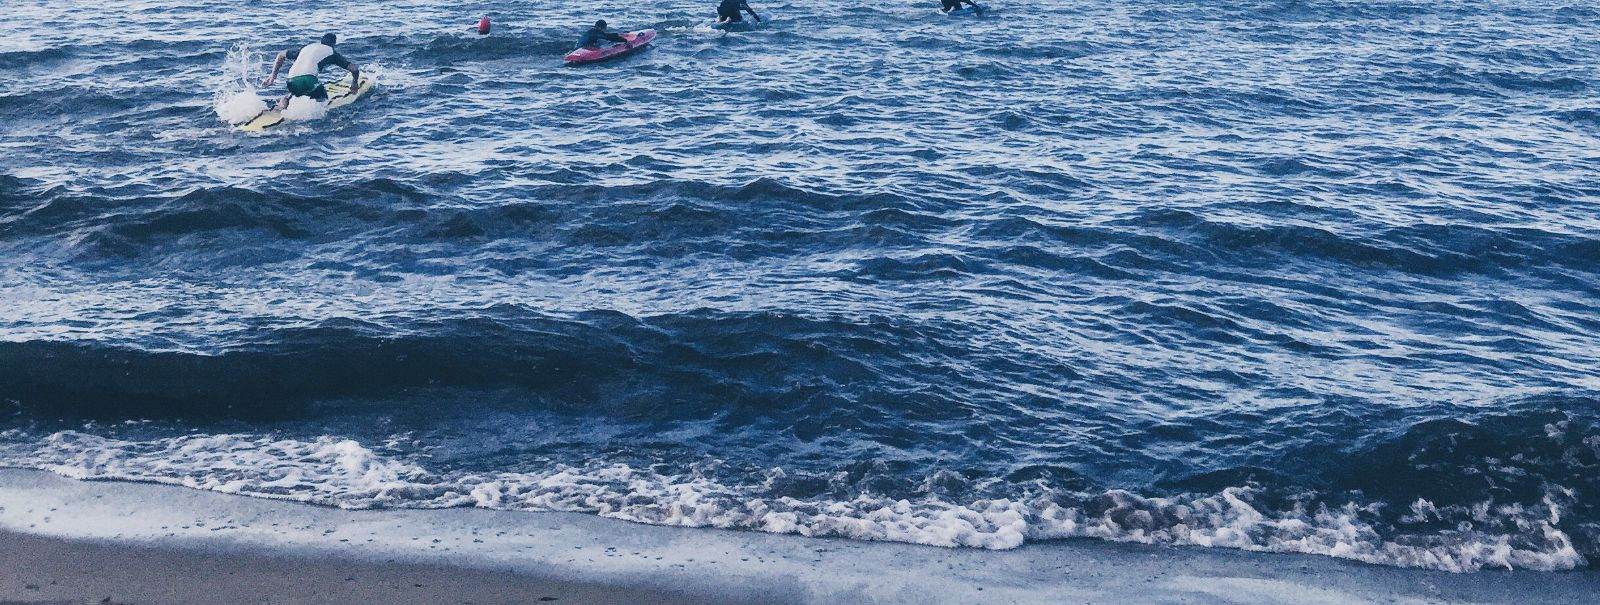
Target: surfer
point(950, 5)
point(728, 11)
point(308, 62)
point(592, 38)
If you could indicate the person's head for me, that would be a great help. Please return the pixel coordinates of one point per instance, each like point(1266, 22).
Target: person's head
point(601, 24)
point(330, 39)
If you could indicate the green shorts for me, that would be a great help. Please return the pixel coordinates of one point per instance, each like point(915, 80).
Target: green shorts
point(308, 85)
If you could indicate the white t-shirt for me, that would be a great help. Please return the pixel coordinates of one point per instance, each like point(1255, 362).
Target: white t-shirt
point(310, 59)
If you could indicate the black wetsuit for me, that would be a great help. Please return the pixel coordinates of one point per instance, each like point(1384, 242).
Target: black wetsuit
point(729, 10)
point(950, 5)
point(593, 37)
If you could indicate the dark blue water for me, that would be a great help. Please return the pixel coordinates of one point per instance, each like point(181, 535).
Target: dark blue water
point(1291, 276)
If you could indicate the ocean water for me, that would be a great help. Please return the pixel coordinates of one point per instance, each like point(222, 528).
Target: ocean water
point(1290, 276)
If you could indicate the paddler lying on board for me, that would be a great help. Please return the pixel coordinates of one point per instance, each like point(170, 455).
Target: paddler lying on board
point(950, 5)
point(728, 11)
point(592, 38)
point(308, 62)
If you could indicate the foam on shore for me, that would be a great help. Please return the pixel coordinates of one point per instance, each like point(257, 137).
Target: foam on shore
point(713, 565)
point(345, 474)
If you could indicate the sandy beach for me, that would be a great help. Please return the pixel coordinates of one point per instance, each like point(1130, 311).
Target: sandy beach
point(71, 541)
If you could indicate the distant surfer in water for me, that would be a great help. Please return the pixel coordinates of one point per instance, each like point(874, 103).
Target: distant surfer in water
point(950, 5)
point(592, 38)
point(728, 11)
point(308, 62)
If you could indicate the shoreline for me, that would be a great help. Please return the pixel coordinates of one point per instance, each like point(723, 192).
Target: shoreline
point(63, 540)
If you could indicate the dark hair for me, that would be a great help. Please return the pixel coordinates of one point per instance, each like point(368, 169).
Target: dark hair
point(330, 39)
point(600, 24)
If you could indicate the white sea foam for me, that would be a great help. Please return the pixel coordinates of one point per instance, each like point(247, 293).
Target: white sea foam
point(343, 473)
point(701, 29)
point(304, 108)
point(238, 106)
point(326, 471)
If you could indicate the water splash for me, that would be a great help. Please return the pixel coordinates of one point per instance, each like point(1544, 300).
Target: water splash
point(235, 97)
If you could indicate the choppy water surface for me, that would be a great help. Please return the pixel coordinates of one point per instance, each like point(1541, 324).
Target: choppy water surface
point(1293, 276)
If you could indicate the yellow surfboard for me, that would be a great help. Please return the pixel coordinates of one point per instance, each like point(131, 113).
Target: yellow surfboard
point(339, 95)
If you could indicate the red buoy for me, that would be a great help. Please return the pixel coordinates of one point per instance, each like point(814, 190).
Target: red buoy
point(483, 26)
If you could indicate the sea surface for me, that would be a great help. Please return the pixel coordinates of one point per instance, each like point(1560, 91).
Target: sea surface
point(1292, 276)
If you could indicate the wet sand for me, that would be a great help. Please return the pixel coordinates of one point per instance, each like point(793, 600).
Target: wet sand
point(50, 570)
point(70, 541)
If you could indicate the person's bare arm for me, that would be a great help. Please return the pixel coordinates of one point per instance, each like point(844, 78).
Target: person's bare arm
point(276, 65)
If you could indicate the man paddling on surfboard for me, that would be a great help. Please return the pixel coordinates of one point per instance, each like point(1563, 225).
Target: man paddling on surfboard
point(592, 38)
point(950, 5)
point(728, 11)
point(308, 62)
